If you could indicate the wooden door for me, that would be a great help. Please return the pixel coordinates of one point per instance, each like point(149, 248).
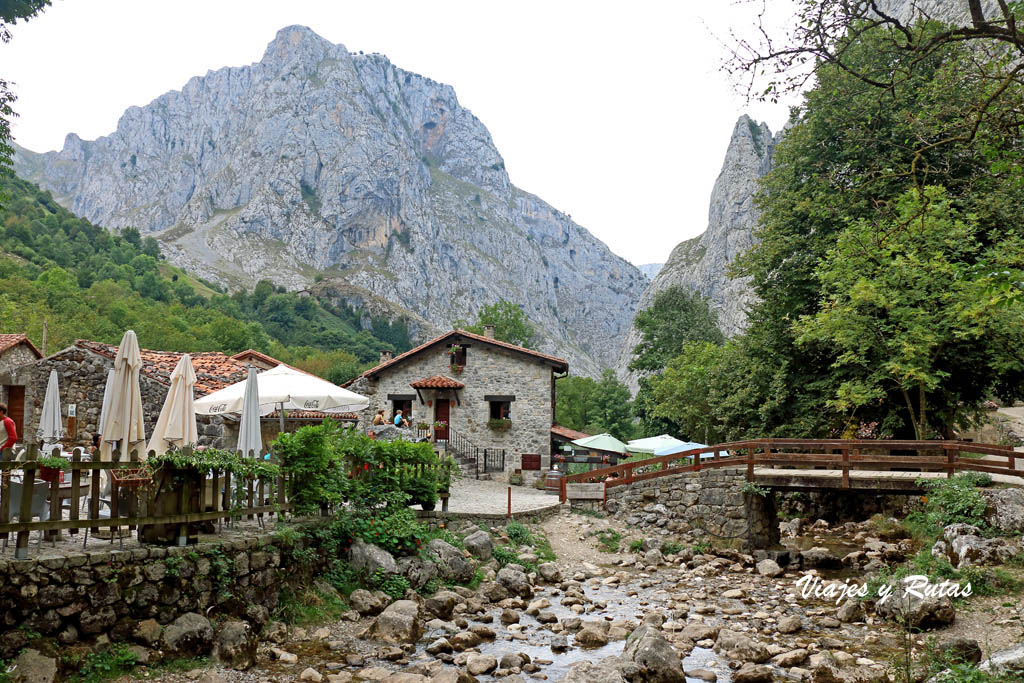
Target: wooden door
point(16, 409)
point(442, 410)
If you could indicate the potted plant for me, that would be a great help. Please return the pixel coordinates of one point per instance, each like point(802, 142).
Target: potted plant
point(453, 354)
point(50, 468)
point(500, 424)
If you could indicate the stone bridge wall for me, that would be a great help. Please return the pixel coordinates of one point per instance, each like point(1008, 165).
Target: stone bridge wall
point(709, 504)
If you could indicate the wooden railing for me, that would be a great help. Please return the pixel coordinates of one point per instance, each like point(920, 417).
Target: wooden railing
point(836, 454)
point(133, 500)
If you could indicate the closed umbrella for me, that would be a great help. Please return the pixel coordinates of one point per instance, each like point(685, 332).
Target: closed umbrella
point(124, 423)
point(249, 435)
point(105, 410)
point(50, 428)
point(176, 426)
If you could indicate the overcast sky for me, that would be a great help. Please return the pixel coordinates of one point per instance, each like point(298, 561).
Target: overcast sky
point(616, 113)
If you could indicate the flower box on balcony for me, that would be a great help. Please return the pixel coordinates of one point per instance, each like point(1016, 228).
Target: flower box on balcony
point(500, 424)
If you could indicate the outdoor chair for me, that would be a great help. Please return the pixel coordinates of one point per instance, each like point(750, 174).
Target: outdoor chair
point(40, 501)
point(40, 505)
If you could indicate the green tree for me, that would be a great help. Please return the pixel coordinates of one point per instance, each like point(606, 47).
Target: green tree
point(850, 153)
point(916, 303)
point(683, 394)
point(10, 12)
point(676, 316)
point(595, 406)
point(510, 323)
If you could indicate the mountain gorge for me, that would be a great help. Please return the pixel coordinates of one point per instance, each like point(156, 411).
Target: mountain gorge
point(699, 264)
point(340, 173)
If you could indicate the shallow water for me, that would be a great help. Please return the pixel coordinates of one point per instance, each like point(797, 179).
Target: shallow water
point(619, 606)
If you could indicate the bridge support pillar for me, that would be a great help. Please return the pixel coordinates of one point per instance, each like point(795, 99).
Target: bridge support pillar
point(762, 521)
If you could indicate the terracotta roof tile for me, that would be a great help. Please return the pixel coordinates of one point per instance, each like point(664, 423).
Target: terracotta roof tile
point(437, 382)
point(560, 363)
point(213, 369)
point(9, 341)
point(566, 433)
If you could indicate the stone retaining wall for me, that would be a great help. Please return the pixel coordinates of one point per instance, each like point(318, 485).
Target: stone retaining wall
point(709, 504)
point(436, 518)
point(83, 596)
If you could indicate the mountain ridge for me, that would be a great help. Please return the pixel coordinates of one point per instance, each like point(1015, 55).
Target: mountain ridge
point(315, 164)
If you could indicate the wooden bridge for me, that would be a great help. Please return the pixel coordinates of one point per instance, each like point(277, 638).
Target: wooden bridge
point(818, 464)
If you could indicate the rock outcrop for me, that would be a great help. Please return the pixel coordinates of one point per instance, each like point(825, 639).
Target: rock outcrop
point(319, 164)
point(699, 264)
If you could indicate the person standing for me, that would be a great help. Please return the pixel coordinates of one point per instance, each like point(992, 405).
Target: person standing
point(8, 432)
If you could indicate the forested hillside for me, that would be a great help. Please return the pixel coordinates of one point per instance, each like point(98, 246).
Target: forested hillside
point(86, 282)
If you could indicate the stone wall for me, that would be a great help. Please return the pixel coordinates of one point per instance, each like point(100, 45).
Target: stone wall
point(19, 354)
point(489, 370)
point(82, 376)
point(709, 504)
point(82, 596)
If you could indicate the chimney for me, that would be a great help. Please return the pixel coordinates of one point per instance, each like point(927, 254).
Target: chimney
point(385, 356)
point(489, 331)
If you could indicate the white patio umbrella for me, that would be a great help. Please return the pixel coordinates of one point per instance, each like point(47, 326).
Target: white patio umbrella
point(124, 412)
point(176, 425)
point(651, 444)
point(105, 409)
point(50, 428)
point(284, 388)
point(250, 437)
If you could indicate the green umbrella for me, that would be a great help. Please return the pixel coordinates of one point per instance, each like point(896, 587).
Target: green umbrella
point(601, 442)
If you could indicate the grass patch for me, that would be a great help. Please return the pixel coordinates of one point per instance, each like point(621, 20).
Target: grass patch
point(180, 665)
point(306, 606)
point(671, 548)
point(587, 512)
point(545, 553)
point(100, 666)
point(636, 546)
point(608, 540)
point(518, 534)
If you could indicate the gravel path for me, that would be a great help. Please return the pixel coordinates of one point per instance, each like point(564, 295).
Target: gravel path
point(491, 497)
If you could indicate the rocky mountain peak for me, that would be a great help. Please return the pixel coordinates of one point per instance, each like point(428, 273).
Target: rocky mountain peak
point(318, 165)
point(699, 263)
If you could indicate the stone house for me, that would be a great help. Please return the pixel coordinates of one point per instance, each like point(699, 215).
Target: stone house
point(15, 350)
point(477, 389)
point(82, 374)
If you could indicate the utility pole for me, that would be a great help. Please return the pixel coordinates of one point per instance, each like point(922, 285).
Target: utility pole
point(44, 337)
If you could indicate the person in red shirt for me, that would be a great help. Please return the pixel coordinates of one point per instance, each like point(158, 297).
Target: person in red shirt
point(8, 432)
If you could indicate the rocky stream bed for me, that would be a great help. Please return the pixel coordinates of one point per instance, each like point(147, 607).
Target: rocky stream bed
point(693, 614)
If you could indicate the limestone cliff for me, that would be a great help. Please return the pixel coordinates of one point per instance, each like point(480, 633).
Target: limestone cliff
point(315, 164)
point(699, 263)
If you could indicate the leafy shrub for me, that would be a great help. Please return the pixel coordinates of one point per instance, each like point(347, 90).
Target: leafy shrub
point(948, 501)
point(518, 534)
point(979, 479)
point(392, 584)
point(505, 555)
point(671, 548)
point(395, 529)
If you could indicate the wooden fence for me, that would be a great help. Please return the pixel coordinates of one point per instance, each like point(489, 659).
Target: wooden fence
point(835, 454)
point(162, 506)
